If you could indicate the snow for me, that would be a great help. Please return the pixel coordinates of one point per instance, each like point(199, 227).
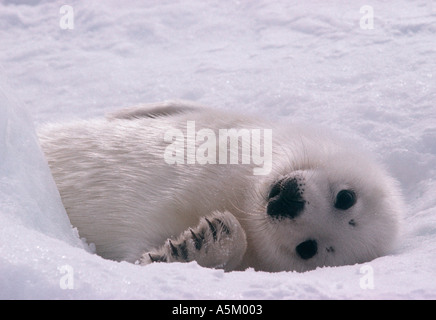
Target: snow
point(306, 61)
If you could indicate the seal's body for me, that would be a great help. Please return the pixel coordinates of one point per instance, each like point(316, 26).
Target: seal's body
point(140, 186)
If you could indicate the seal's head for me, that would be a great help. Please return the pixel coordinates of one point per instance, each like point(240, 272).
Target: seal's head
point(323, 205)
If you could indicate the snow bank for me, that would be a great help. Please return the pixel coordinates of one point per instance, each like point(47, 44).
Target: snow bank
point(28, 194)
point(306, 62)
point(31, 211)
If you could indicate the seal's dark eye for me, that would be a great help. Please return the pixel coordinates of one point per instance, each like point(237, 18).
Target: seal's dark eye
point(345, 199)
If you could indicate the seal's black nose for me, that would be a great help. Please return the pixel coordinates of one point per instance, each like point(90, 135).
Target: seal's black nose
point(307, 249)
point(285, 199)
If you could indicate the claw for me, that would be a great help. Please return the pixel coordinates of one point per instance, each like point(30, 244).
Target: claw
point(158, 258)
point(151, 258)
point(212, 228)
point(184, 251)
point(198, 242)
point(174, 251)
point(223, 226)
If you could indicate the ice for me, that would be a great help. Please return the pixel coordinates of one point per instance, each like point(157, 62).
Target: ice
point(303, 61)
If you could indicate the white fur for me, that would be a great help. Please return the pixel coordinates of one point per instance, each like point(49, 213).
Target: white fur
point(121, 194)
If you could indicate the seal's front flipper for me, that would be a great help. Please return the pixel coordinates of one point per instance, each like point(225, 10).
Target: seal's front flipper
point(217, 242)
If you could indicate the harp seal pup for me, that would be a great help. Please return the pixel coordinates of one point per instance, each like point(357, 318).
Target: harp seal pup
point(322, 203)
